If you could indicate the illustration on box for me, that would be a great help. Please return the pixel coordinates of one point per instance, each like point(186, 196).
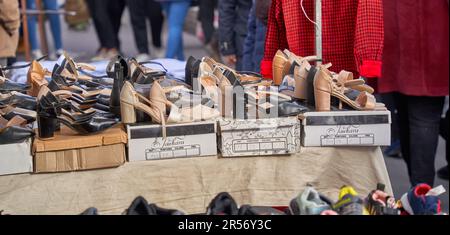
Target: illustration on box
point(259, 138)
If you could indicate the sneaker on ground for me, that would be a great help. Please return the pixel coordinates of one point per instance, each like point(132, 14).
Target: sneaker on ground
point(422, 200)
point(309, 202)
point(349, 203)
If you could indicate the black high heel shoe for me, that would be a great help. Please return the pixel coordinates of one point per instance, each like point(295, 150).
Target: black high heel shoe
point(50, 112)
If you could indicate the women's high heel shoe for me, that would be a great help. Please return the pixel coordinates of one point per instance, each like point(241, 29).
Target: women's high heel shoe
point(14, 130)
point(50, 113)
point(325, 87)
point(36, 78)
point(130, 101)
point(280, 67)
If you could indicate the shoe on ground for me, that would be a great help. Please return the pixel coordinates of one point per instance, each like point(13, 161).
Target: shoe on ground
point(222, 204)
point(36, 54)
point(309, 202)
point(443, 173)
point(394, 150)
point(142, 57)
point(349, 203)
point(422, 200)
point(158, 53)
point(101, 55)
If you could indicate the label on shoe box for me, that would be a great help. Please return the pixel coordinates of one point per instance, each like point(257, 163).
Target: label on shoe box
point(146, 142)
point(259, 137)
point(16, 158)
point(346, 128)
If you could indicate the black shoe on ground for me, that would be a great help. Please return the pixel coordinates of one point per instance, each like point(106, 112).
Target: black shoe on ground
point(443, 173)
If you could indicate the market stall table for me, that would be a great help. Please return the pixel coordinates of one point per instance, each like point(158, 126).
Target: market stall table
point(189, 184)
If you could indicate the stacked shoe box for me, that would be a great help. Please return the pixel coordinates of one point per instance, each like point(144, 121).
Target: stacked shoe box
point(259, 137)
point(156, 142)
point(346, 128)
point(68, 151)
point(16, 158)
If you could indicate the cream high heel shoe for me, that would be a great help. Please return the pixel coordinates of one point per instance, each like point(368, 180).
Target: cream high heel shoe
point(325, 87)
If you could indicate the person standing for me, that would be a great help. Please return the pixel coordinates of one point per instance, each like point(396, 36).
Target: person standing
point(176, 11)
point(415, 68)
point(206, 18)
point(55, 26)
point(9, 29)
point(140, 10)
point(107, 17)
point(233, 17)
point(256, 36)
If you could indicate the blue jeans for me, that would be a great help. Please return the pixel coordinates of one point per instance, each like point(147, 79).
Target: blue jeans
point(176, 14)
point(55, 23)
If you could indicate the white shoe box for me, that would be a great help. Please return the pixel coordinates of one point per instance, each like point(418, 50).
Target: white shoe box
point(259, 137)
point(346, 128)
point(16, 158)
point(146, 142)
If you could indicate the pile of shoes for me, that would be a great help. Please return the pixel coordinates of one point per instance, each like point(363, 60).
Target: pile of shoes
point(420, 200)
point(318, 87)
point(239, 94)
point(17, 110)
point(72, 96)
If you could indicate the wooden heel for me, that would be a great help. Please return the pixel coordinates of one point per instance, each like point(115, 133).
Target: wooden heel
point(128, 113)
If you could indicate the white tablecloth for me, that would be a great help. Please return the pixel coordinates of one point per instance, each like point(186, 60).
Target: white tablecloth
point(189, 184)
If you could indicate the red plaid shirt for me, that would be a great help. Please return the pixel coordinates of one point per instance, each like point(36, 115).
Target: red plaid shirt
point(352, 32)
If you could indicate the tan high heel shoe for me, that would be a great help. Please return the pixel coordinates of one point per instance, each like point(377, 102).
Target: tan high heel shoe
point(179, 115)
point(325, 87)
point(36, 78)
point(280, 67)
point(130, 100)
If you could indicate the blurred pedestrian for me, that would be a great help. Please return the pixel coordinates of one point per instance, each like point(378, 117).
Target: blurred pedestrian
point(256, 36)
point(206, 18)
point(233, 17)
point(416, 69)
point(107, 16)
point(55, 26)
point(9, 29)
point(176, 11)
point(140, 11)
point(443, 172)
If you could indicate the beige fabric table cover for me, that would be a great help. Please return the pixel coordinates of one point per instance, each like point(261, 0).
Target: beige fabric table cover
point(189, 184)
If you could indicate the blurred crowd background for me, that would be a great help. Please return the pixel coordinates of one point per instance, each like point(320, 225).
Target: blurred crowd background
point(234, 32)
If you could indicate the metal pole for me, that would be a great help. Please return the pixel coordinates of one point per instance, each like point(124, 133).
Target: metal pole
point(25, 31)
point(318, 19)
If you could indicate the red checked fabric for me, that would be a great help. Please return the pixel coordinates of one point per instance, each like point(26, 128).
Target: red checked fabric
point(352, 33)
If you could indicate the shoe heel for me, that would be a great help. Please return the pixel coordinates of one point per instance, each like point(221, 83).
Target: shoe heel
point(323, 100)
point(46, 127)
point(128, 113)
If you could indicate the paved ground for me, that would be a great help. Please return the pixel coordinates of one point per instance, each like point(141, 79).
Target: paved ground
point(84, 44)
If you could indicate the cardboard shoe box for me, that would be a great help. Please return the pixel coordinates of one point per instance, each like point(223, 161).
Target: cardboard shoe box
point(68, 151)
point(259, 137)
point(16, 158)
point(346, 128)
point(146, 142)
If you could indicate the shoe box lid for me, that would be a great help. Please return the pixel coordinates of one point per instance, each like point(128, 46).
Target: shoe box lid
point(67, 139)
point(227, 125)
point(345, 118)
point(148, 130)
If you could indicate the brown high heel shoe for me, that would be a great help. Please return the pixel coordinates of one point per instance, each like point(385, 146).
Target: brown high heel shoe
point(36, 78)
point(325, 87)
point(280, 67)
